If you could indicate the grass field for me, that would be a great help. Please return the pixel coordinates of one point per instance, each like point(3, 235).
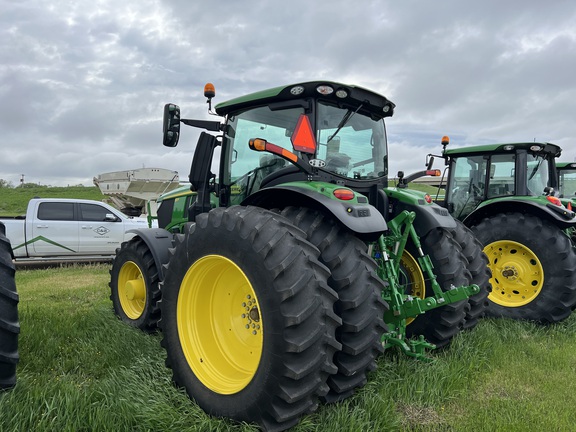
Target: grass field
point(81, 369)
point(15, 200)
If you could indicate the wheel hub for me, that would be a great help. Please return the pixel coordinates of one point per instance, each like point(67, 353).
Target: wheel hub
point(135, 289)
point(510, 273)
point(252, 317)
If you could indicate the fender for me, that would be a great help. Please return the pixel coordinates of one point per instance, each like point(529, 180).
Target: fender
point(159, 241)
point(428, 215)
point(357, 215)
point(559, 216)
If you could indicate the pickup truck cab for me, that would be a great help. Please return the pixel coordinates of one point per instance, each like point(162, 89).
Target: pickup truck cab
point(54, 227)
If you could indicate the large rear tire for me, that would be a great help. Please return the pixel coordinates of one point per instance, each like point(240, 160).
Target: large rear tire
point(248, 317)
point(9, 324)
point(479, 270)
point(360, 304)
point(134, 285)
point(533, 267)
point(439, 325)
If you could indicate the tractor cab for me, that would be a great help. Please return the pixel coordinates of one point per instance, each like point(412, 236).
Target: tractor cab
point(480, 174)
point(313, 132)
point(310, 131)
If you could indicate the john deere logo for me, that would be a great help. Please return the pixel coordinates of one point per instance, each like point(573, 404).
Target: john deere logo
point(101, 230)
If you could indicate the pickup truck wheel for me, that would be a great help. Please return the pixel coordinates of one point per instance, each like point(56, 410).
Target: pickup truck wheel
point(440, 325)
point(479, 270)
point(360, 304)
point(247, 317)
point(533, 267)
point(134, 288)
point(9, 324)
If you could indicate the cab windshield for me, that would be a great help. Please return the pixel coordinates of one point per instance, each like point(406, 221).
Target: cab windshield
point(351, 144)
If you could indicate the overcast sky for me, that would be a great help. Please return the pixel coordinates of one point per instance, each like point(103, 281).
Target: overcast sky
point(83, 83)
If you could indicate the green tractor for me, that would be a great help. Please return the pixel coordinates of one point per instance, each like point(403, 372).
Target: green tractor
point(278, 282)
point(507, 194)
point(9, 324)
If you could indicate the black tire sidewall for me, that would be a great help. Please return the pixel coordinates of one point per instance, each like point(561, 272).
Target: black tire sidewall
point(480, 272)
point(440, 325)
point(9, 325)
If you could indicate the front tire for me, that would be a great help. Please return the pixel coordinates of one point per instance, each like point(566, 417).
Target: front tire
point(9, 324)
point(440, 325)
point(360, 304)
point(134, 285)
point(247, 318)
point(533, 267)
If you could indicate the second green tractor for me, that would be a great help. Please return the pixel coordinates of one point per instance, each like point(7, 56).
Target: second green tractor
point(507, 194)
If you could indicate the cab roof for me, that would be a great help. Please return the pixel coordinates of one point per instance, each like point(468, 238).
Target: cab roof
point(375, 104)
point(536, 147)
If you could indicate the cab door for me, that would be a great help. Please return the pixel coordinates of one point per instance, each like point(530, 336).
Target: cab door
point(101, 232)
point(55, 229)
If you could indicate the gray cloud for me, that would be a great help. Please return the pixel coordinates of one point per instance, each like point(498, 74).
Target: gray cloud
point(82, 84)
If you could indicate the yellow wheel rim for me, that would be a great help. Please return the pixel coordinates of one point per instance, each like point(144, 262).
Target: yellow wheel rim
point(219, 324)
point(517, 274)
point(131, 290)
point(412, 278)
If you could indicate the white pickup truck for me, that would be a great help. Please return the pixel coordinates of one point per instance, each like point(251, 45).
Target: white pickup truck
point(68, 229)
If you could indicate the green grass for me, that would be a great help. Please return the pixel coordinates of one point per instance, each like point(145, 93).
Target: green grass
point(14, 201)
point(81, 369)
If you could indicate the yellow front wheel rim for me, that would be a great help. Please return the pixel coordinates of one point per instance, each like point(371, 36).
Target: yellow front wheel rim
point(219, 324)
point(413, 278)
point(517, 274)
point(131, 290)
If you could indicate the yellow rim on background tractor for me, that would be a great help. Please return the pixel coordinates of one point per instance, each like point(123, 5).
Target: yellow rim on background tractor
point(131, 290)
point(415, 283)
point(219, 324)
point(517, 274)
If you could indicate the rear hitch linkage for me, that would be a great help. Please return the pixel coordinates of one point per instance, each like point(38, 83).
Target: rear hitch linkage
point(387, 252)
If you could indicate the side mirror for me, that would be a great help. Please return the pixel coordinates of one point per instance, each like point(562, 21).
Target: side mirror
point(110, 218)
point(430, 162)
point(171, 125)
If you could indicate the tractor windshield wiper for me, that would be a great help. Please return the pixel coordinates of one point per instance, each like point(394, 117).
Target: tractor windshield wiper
point(536, 168)
point(344, 121)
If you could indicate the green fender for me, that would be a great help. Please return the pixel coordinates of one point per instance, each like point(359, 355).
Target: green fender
point(356, 214)
point(159, 241)
point(429, 215)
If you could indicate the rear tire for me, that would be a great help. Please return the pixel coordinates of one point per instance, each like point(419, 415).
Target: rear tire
point(134, 285)
point(533, 267)
point(247, 317)
point(440, 325)
point(360, 304)
point(9, 324)
point(479, 270)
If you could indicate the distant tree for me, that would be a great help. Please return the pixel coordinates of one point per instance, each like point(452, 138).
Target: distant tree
point(5, 184)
